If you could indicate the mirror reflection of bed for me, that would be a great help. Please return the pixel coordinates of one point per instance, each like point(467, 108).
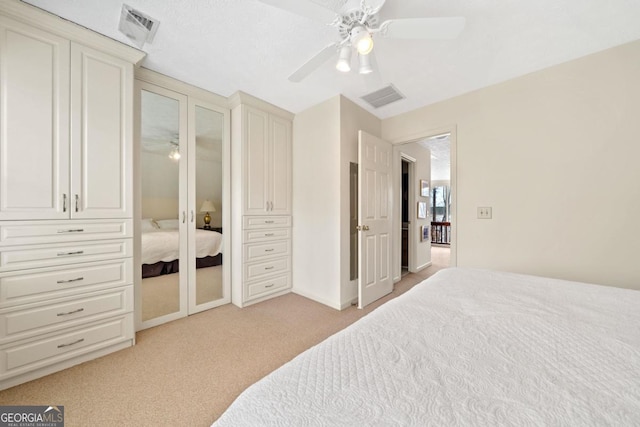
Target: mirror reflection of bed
point(181, 202)
point(161, 266)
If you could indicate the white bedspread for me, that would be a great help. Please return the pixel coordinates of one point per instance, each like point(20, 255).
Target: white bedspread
point(164, 245)
point(468, 348)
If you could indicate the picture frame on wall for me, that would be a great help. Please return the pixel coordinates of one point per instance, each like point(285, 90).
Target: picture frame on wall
point(422, 210)
point(424, 233)
point(424, 188)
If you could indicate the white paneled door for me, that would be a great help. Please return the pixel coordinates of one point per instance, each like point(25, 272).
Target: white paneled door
point(374, 218)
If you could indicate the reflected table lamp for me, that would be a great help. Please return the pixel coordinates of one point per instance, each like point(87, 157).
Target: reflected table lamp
point(207, 206)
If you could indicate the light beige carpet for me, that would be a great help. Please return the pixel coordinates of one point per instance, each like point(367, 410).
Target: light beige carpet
point(188, 371)
point(161, 295)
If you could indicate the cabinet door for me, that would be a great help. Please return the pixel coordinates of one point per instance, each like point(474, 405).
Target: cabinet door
point(101, 134)
point(34, 123)
point(280, 171)
point(256, 157)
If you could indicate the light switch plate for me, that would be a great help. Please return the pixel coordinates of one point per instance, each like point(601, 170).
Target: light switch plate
point(484, 212)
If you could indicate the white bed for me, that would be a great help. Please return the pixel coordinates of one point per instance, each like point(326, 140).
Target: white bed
point(160, 241)
point(164, 245)
point(466, 347)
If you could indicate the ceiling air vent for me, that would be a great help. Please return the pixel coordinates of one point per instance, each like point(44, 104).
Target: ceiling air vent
point(384, 96)
point(139, 27)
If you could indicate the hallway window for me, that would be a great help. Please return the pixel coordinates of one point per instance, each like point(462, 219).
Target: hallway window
point(441, 204)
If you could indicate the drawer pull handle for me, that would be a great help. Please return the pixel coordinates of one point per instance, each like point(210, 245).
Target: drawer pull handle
point(73, 230)
point(269, 268)
point(71, 343)
point(268, 222)
point(70, 280)
point(70, 312)
point(270, 286)
point(269, 250)
point(268, 234)
point(70, 253)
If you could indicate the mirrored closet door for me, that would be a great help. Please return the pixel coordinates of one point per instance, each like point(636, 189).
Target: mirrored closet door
point(182, 208)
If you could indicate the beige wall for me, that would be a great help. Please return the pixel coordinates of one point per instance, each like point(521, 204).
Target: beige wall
point(556, 154)
point(325, 142)
point(316, 203)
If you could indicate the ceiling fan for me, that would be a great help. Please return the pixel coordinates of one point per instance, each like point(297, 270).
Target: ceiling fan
point(358, 26)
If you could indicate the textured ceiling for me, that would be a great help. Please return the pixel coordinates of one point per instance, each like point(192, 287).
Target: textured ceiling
point(440, 148)
point(229, 45)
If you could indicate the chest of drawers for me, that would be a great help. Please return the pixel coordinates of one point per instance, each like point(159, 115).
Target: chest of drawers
point(66, 294)
point(266, 258)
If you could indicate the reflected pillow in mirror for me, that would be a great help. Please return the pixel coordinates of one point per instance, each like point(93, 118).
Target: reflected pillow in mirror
point(148, 224)
point(168, 224)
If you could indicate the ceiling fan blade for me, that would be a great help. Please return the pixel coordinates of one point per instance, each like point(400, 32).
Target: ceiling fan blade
point(371, 7)
point(313, 63)
point(304, 8)
point(423, 28)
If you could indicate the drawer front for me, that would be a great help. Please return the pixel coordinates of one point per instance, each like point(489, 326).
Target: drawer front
point(24, 356)
point(28, 233)
point(256, 251)
point(20, 324)
point(24, 257)
point(253, 222)
point(251, 236)
point(257, 270)
point(22, 287)
point(269, 286)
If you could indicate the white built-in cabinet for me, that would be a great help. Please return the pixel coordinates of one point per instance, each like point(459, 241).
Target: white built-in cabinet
point(267, 162)
point(261, 188)
point(66, 228)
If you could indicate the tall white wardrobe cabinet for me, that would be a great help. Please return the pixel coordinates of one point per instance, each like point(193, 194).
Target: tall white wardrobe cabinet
point(261, 152)
point(66, 111)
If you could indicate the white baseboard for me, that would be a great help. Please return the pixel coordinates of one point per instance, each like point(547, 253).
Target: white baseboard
point(317, 299)
point(423, 266)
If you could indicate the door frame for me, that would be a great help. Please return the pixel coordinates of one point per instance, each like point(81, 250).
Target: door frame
point(415, 137)
point(411, 257)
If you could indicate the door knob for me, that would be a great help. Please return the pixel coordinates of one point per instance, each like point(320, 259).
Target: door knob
point(362, 227)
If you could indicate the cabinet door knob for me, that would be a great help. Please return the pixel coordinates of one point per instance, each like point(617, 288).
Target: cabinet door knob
point(77, 200)
point(64, 203)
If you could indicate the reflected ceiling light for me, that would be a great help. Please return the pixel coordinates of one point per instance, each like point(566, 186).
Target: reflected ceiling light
point(361, 39)
point(344, 61)
point(174, 154)
point(365, 64)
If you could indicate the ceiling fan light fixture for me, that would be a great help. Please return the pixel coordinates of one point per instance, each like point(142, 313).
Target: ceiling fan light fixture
point(344, 61)
point(362, 40)
point(365, 64)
